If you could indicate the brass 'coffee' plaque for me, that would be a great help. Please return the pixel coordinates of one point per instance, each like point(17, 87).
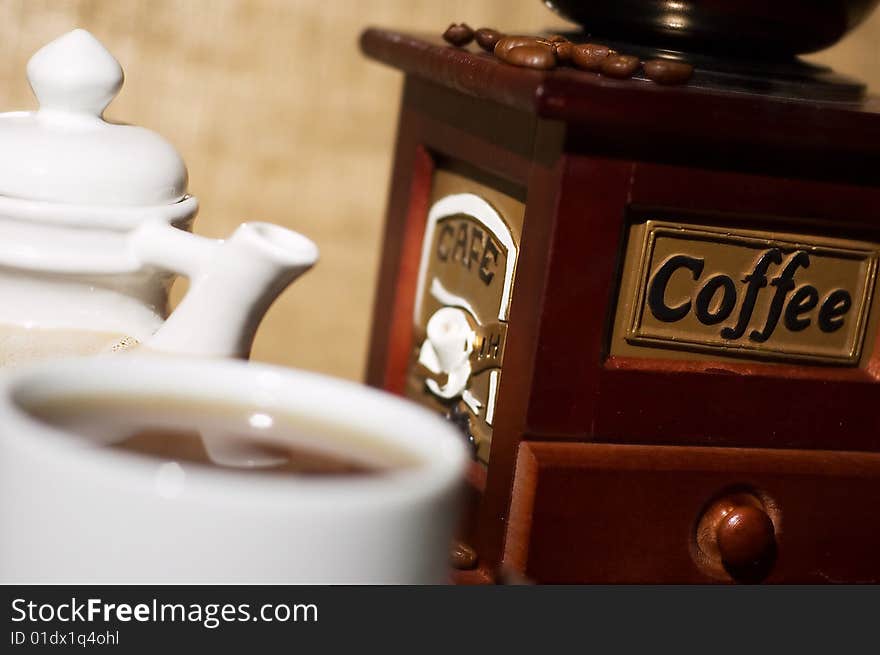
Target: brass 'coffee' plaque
point(462, 302)
point(730, 292)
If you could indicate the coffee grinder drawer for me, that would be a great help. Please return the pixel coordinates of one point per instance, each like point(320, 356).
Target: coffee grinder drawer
point(601, 513)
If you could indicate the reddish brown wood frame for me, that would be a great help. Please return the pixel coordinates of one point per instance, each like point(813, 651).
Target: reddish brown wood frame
point(592, 157)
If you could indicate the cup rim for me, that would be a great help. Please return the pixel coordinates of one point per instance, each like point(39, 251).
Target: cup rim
point(435, 442)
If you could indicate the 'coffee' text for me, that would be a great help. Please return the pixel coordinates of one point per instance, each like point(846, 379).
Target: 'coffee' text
point(714, 300)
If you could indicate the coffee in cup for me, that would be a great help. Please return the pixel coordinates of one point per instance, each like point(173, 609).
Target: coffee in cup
point(240, 437)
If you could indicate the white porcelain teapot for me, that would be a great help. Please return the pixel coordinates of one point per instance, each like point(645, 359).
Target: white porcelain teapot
point(93, 227)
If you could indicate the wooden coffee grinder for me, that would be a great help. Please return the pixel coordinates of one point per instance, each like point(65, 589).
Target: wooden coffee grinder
point(650, 308)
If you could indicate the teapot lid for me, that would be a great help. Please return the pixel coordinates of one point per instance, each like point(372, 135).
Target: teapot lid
point(65, 152)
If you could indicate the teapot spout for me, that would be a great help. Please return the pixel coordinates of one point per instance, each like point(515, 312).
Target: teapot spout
point(232, 284)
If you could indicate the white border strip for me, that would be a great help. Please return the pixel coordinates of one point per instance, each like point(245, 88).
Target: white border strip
point(493, 394)
point(446, 297)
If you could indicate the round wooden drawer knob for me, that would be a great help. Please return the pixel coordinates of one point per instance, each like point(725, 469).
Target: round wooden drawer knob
point(736, 538)
point(745, 537)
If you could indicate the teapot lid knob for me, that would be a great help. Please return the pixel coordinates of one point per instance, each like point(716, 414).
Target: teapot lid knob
point(75, 74)
point(65, 152)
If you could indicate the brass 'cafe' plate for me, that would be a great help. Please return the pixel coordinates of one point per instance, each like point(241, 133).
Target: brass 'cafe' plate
point(462, 304)
point(689, 291)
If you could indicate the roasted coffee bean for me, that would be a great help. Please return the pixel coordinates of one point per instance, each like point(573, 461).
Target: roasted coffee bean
point(666, 71)
point(590, 56)
point(462, 556)
point(620, 66)
point(487, 38)
point(508, 43)
point(563, 50)
point(561, 46)
point(532, 56)
point(458, 35)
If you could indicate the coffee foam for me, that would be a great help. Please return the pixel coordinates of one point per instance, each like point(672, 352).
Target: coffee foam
point(22, 345)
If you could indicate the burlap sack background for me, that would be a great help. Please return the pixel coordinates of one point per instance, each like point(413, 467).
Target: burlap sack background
point(280, 118)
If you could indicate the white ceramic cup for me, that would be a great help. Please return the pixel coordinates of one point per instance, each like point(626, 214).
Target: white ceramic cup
point(71, 512)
